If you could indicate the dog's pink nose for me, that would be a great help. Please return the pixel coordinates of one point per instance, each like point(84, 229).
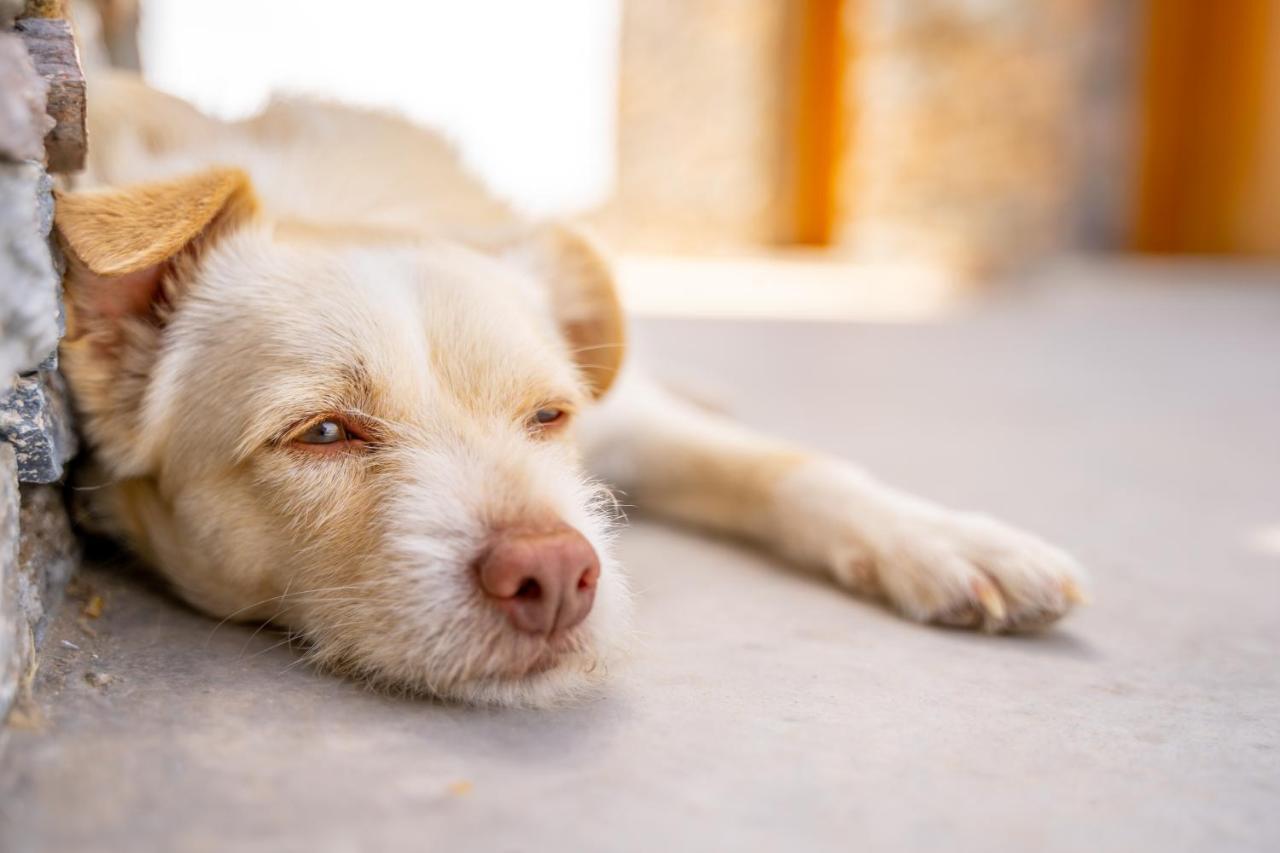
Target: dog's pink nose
point(545, 581)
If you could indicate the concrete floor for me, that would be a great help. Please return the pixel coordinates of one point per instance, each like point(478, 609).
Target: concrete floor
point(1129, 413)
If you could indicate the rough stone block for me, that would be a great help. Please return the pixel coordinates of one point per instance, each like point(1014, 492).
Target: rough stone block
point(47, 551)
point(35, 420)
point(52, 46)
point(23, 122)
point(13, 634)
point(28, 280)
point(38, 553)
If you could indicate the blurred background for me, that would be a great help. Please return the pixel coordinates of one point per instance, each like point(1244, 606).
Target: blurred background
point(879, 156)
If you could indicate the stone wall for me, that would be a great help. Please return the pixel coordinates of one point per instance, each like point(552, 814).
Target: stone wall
point(41, 127)
point(703, 125)
point(961, 128)
point(962, 150)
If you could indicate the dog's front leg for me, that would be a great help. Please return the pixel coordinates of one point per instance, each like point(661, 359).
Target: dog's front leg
point(933, 564)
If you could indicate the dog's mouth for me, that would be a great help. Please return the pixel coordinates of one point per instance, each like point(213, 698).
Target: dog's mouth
point(543, 655)
point(539, 665)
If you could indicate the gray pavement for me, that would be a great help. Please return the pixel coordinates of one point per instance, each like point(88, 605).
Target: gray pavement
point(1130, 412)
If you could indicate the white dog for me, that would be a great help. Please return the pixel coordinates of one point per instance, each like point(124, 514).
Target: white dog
point(331, 383)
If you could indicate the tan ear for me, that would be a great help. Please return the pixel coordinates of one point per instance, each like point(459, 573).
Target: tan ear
point(119, 241)
point(583, 296)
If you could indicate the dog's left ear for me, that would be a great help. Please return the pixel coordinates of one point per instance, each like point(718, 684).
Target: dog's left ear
point(120, 243)
point(583, 296)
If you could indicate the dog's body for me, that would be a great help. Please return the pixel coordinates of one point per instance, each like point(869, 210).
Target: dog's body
point(328, 381)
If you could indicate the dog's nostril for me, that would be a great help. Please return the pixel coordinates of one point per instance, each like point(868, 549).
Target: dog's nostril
point(529, 589)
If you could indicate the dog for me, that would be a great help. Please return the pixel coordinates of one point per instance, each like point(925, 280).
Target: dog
point(327, 381)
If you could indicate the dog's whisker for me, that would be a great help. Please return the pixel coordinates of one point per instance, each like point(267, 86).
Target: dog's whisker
point(96, 487)
point(265, 601)
point(579, 350)
point(288, 638)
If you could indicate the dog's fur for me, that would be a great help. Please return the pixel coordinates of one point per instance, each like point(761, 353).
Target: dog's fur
point(229, 285)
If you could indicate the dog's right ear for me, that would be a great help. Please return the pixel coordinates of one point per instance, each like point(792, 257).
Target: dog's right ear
point(120, 243)
point(129, 254)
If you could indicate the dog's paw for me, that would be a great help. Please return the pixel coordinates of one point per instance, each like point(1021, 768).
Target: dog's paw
point(932, 564)
point(964, 570)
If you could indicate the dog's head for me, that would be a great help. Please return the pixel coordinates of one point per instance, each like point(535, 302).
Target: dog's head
point(367, 440)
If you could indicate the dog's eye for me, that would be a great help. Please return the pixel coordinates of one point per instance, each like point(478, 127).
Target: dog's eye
point(325, 432)
point(547, 421)
point(336, 434)
point(545, 417)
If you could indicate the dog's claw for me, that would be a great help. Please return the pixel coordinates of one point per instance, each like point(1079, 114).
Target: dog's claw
point(991, 600)
point(1074, 593)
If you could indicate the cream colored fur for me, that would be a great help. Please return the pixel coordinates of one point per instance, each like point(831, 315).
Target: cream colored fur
point(320, 260)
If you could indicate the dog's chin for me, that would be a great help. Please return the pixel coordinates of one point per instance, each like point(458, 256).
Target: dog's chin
point(549, 683)
point(527, 673)
point(537, 673)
